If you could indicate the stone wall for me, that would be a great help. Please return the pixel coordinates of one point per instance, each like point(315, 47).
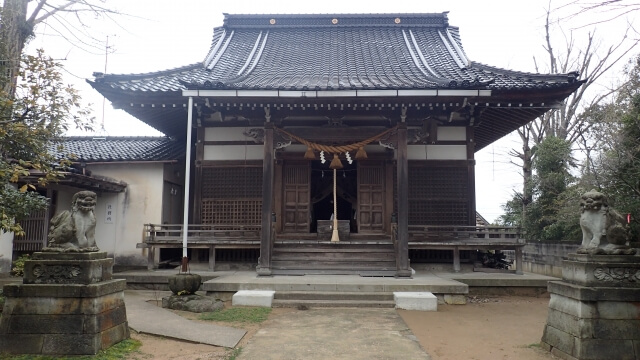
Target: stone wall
point(546, 258)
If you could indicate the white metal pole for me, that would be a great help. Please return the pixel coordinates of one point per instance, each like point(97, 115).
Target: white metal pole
point(187, 176)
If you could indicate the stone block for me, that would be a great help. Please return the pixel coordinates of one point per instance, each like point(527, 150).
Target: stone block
point(67, 271)
point(115, 335)
point(602, 270)
point(65, 290)
point(572, 306)
point(584, 293)
point(422, 301)
point(71, 344)
point(572, 325)
point(45, 324)
point(559, 339)
point(618, 309)
point(21, 344)
point(626, 329)
point(601, 349)
point(455, 299)
point(261, 298)
point(104, 321)
point(69, 256)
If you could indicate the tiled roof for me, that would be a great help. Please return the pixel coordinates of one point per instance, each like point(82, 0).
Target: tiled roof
point(333, 52)
point(114, 149)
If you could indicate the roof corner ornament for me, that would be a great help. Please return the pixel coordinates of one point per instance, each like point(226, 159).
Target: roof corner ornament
point(417, 136)
point(389, 140)
point(257, 134)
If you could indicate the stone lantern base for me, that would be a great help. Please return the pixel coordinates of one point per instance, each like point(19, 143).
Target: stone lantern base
point(594, 312)
point(67, 305)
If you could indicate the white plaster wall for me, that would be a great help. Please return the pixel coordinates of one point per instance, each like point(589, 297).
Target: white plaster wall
point(233, 152)
point(437, 152)
point(6, 249)
point(452, 133)
point(225, 134)
point(139, 204)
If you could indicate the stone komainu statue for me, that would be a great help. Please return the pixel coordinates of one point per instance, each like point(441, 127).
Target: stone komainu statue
point(600, 223)
point(74, 231)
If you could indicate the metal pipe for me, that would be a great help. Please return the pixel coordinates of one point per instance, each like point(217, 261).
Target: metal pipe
point(187, 176)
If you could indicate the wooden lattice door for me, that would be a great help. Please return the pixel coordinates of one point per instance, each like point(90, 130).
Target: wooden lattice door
point(295, 181)
point(371, 196)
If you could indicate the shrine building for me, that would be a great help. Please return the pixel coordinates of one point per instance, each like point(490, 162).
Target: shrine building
point(294, 121)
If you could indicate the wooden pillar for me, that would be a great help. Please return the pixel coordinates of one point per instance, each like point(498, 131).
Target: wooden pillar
point(197, 188)
point(471, 176)
point(264, 261)
point(402, 248)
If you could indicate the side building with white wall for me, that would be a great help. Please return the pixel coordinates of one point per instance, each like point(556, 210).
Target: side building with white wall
point(138, 180)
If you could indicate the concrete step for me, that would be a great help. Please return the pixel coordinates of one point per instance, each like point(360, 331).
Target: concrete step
point(333, 303)
point(333, 295)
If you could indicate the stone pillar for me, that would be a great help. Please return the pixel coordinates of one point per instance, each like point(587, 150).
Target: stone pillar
point(594, 312)
point(68, 304)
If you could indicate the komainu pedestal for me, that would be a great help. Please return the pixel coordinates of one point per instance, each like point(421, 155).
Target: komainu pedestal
point(68, 304)
point(594, 312)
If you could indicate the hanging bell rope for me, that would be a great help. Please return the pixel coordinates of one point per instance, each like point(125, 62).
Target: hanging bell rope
point(338, 149)
point(335, 236)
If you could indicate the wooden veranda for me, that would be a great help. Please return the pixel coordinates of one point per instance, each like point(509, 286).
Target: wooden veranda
point(440, 237)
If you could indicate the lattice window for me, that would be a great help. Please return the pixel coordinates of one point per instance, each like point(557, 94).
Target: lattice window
point(438, 195)
point(232, 211)
point(232, 195)
point(231, 182)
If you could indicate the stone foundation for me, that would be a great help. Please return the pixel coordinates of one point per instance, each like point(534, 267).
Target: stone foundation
point(67, 305)
point(594, 312)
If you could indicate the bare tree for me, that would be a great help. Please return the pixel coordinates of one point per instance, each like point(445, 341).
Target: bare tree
point(607, 10)
point(68, 18)
point(567, 122)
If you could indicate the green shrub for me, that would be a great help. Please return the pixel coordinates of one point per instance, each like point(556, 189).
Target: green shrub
point(18, 265)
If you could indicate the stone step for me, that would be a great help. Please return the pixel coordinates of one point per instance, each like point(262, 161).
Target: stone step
point(333, 303)
point(333, 295)
point(363, 272)
point(350, 247)
point(333, 265)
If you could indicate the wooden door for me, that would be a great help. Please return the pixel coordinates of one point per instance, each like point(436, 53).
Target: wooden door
point(371, 196)
point(295, 183)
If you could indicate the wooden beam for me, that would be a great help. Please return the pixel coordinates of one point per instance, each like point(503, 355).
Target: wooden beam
point(264, 261)
point(402, 249)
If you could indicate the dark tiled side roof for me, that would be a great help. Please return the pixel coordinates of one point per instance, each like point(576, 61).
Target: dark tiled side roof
point(311, 52)
point(114, 149)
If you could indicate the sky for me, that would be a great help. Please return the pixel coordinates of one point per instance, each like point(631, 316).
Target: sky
point(162, 34)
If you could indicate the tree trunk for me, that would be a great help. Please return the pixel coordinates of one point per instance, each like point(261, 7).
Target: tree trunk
point(527, 175)
point(14, 33)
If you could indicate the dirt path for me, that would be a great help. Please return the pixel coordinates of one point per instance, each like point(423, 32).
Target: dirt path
point(484, 329)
